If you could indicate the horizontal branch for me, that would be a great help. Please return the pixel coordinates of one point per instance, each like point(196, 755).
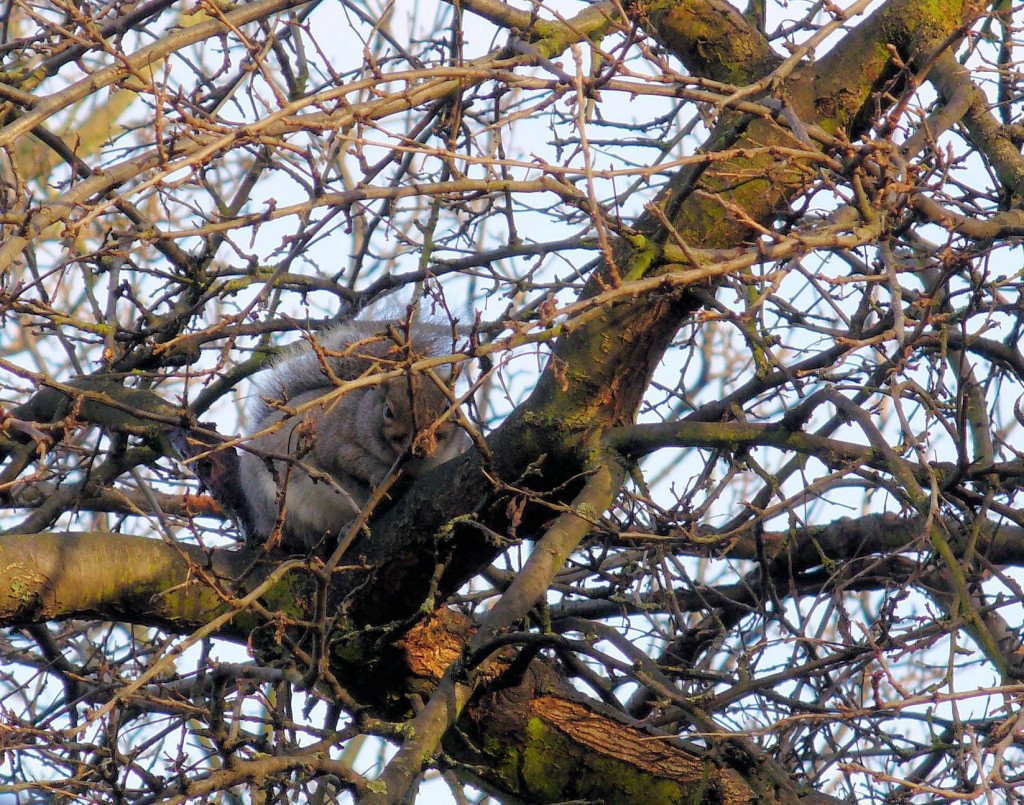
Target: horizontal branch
point(92, 574)
point(637, 441)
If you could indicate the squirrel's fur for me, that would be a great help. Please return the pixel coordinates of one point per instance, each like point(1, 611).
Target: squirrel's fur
point(307, 479)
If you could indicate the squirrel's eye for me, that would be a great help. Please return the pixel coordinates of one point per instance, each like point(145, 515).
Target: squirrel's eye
point(388, 413)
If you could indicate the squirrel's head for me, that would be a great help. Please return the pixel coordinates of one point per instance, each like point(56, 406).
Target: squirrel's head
point(415, 414)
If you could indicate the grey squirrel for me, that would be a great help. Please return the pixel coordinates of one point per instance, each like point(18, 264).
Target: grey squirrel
point(321, 464)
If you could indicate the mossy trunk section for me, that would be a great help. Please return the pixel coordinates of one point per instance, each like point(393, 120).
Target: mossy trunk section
point(529, 734)
point(553, 749)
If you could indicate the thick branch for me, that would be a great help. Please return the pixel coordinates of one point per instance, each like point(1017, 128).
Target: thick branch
point(54, 576)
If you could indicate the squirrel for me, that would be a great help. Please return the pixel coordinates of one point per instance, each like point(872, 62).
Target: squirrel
point(310, 467)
